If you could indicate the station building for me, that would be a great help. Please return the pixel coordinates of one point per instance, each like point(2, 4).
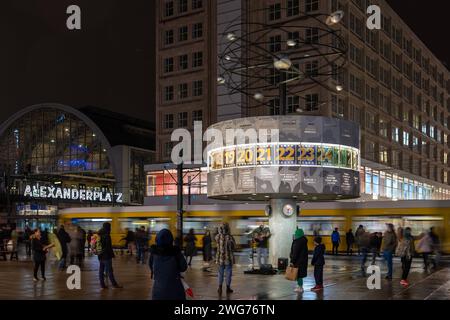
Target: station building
point(56, 156)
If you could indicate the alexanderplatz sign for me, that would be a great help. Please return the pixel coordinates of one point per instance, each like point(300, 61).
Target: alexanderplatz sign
point(74, 194)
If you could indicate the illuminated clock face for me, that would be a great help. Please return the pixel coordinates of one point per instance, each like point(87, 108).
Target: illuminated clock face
point(288, 210)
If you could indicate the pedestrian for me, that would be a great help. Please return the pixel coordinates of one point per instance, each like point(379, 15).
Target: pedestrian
point(207, 249)
point(261, 236)
point(380, 240)
point(88, 239)
point(44, 237)
point(27, 239)
point(318, 261)
point(129, 241)
point(14, 240)
point(436, 247)
point(389, 246)
point(224, 255)
point(74, 245)
point(373, 245)
point(424, 246)
point(191, 249)
point(39, 251)
point(64, 239)
point(166, 263)
point(141, 244)
point(82, 242)
point(405, 250)
point(358, 233)
point(364, 246)
point(336, 240)
point(105, 257)
point(350, 239)
point(299, 257)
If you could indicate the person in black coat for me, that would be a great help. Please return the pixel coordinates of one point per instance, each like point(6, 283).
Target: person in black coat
point(166, 262)
point(64, 239)
point(299, 257)
point(207, 249)
point(106, 256)
point(350, 239)
point(318, 261)
point(39, 251)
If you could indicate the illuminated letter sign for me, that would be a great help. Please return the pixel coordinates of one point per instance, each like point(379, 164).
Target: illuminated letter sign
point(56, 192)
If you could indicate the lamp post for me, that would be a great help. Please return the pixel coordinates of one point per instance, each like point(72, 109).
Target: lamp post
point(180, 210)
point(282, 64)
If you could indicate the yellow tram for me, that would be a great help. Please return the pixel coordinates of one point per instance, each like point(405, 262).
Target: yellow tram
point(321, 217)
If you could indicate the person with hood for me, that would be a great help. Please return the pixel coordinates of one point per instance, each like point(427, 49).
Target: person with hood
point(207, 249)
point(388, 247)
point(191, 249)
point(105, 257)
point(224, 256)
point(318, 261)
point(64, 239)
point(405, 250)
point(166, 264)
point(299, 257)
point(336, 240)
point(425, 247)
point(350, 239)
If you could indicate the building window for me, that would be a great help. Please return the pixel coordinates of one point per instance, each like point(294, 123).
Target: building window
point(168, 9)
point(168, 121)
point(168, 65)
point(183, 90)
point(274, 106)
point(197, 115)
point(168, 39)
point(183, 33)
point(383, 128)
point(168, 149)
point(312, 35)
point(312, 69)
point(197, 59)
point(275, 43)
point(337, 106)
point(311, 5)
point(168, 93)
point(197, 4)
point(182, 119)
point(356, 55)
point(395, 134)
point(356, 85)
point(356, 25)
point(383, 155)
point(198, 88)
point(294, 36)
point(405, 138)
point(355, 114)
point(312, 102)
point(293, 7)
point(293, 103)
point(183, 62)
point(370, 121)
point(182, 6)
point(275, 11)
point(197, 30)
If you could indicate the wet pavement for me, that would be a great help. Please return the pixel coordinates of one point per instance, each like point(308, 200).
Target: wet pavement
point(342, 281)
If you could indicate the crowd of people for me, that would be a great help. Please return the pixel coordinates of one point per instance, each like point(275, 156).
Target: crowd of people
point(400, 243)
point(169, 258)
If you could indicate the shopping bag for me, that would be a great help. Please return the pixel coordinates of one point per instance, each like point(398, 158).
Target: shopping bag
point(291, 273)
point(187, 288)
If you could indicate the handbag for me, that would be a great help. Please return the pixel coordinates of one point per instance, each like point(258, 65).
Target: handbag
point(291, 273)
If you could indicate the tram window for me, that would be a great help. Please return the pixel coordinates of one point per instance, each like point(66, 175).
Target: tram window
point(322, 225)
point(90, 224)
point(153, 224)
point(418, 224)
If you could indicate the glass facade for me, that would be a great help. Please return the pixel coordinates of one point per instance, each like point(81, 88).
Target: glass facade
point(50, 140)
point(375, 184)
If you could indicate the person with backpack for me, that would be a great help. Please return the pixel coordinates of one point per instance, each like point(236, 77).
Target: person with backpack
point(224, 256)
point(166, 264)
point(336, 240)
point(318, 261)
point(389, 246)
point(405, 250)
point(299, 257)
point(105, 253)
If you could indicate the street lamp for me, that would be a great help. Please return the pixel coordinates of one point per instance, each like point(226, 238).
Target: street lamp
point(335, 17)
point(282, 63)
point(291, 43)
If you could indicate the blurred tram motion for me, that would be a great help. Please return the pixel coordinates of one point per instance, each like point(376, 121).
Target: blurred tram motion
point(314, 218)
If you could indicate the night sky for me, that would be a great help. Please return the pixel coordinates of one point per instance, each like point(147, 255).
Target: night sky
point(108, 63)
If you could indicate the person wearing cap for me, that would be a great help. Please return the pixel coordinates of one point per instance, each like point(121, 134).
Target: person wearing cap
point(389, 245)
point(299, 257)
